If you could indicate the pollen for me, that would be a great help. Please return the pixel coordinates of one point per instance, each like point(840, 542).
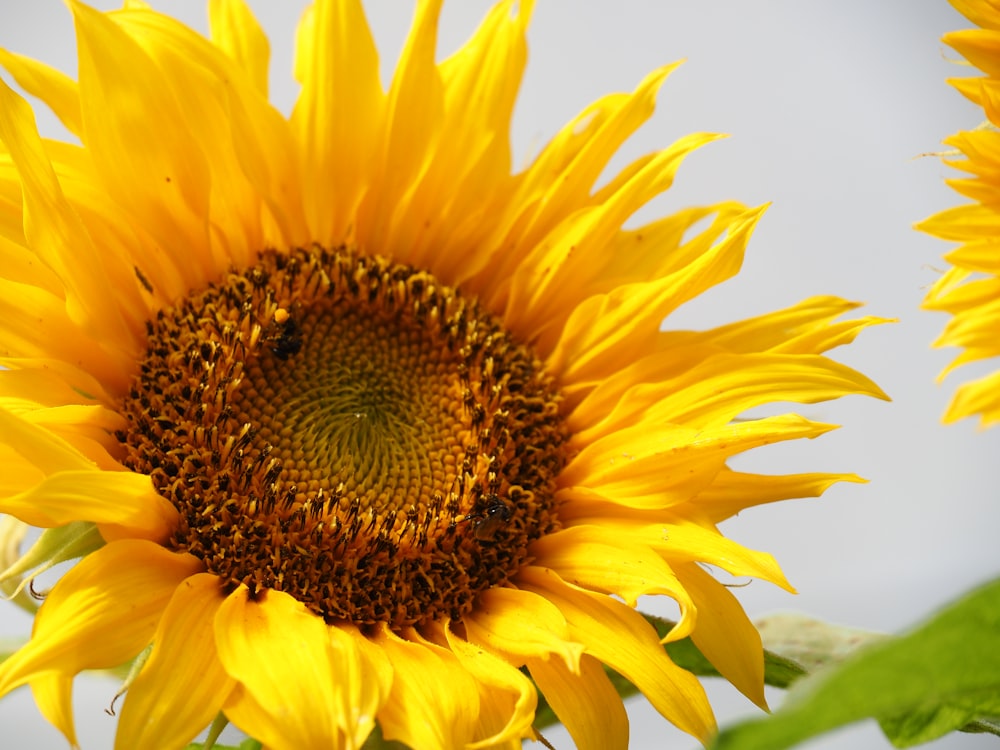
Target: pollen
point(349, 431)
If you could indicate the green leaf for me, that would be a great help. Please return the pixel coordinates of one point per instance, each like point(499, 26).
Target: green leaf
point(809, 642)
point(919, 686)
point(245, 745)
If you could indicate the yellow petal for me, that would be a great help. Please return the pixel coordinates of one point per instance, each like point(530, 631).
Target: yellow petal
point(587, 704)
point(656, 464)
point(101, 613)
point(562, 178)
point(731, 492)
point(981, 47)
point(725, 634)
point(623, 324)
point(236, 32)
point(337, 117)
point(507, 699)
point(519, 624)
point(978, 397)
point(679, 540)
point(73, 489)
point(124, 504)
point(434, 703)
point(413, 113)
point(251, 182)
point(803, 328)
point(546, 284)
point(365, 684)
point(39, 447)
point(182, 685)
point(163, 183)
point(293, 675)
point(468, 173)
point(51, 225)
point(725, 386)
point(585, 556)
point(37, 326)
point(618, 636)
point(55, 88)
point(21, 265)
point(53, 693)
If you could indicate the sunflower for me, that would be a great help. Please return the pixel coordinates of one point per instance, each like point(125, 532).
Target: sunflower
point(363, 426)
point(970, 289)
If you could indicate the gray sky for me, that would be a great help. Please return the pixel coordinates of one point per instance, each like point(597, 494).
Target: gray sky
point(829, 105)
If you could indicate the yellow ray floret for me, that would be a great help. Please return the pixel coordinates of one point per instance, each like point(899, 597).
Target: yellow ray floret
point(968, 290)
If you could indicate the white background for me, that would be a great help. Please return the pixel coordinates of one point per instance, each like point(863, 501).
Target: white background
point(830, 104)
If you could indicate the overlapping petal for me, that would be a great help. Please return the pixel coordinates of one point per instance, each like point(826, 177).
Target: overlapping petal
point(121, 589)
point(968, 289)
point(180, 689)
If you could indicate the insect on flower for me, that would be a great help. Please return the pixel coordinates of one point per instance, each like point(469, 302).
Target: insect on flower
point(493, 517)
point(283, 335)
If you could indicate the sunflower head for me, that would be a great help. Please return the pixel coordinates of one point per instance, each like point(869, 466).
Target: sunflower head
point(354, 423)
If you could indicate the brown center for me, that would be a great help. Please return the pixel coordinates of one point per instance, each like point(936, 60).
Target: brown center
point(349, 431)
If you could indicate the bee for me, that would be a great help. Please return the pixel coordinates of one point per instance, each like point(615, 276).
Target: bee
point(493, 517)
point(283, 335)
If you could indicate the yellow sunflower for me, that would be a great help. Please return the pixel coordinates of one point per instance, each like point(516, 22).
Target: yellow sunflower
point(970, 289)
point(370, 428)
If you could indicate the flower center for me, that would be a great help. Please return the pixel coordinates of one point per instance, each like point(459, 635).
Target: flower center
point(349, 431)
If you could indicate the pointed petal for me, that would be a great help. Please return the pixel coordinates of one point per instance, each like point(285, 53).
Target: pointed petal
point(338, 115)
point(519, 624)
point(253, 189)
point(434, 703)
point(101, 613)
point(727, 385)
point(587, 703)
point(562, 178)
point(51, 225)
point(55, 88)
point(163, 183)
point(182, 685)
point(467, 177)
point(731, 492)
point(623, 324)
point(678, 540)
point(978, 397)
point(618, 636)
point(53, 693)
point(413, 113)
point(236, 32)
point(365, 684)
point(547, 284)
point(725, 634)
point(294, 673)
point(583, 556)
point(507, 699)
point(124, 503)
point(37, 325)
point(657, 465)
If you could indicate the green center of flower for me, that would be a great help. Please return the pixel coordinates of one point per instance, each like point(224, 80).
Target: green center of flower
point(349, 431)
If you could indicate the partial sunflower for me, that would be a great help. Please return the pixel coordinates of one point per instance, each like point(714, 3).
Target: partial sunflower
point(970, 289)
point(364, 427)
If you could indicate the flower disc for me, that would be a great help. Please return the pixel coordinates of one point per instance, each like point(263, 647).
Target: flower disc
point(350, 431)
